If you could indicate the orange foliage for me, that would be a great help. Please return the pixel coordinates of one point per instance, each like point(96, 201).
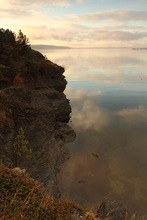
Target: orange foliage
point(3, 117)
point(4, 98)
point(18, 80)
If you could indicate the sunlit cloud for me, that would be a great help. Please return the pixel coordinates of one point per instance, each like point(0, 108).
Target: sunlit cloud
point(121, 15)
point(39, 22)
point(28, 3)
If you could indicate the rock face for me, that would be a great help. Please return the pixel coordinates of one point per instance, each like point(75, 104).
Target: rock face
point(112, 210)
point(32, 98)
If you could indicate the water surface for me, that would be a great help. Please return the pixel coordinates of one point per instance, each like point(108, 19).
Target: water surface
point(108, 94)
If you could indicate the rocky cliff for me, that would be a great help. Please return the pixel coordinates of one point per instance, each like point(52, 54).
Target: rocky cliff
point(32, 98)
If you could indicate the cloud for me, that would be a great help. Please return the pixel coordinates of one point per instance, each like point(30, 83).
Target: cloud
point(30, 3)
point(88, 34)
point(120, 35)
point(90, 116)
point(80, 94)
point(134, 115)
point(121, 15)
point(95, 29)
point(61, 30)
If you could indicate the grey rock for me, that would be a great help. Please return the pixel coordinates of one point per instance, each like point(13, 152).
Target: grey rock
point(112, 210)
point(41, 108)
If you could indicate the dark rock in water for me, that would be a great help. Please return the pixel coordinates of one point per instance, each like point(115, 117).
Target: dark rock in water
point(112, 210)
point(81, 181)
point(32, 98)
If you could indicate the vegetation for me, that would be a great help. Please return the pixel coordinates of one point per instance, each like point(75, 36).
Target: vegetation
point(22, 42)
point(24, 198)
point(21, 146)
point(9, 40)
point(136, 217)
point(17, 59)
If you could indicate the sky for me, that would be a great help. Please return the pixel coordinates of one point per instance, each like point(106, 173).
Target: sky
point(78, 23)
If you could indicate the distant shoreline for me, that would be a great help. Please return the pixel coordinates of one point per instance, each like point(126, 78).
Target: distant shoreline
point(139, 48)
point(45, 47)
point(54, 47)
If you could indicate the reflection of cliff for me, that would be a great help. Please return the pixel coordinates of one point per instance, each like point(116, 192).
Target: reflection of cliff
point(32, 98)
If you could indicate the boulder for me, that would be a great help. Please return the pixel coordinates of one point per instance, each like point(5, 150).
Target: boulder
point(112, 210)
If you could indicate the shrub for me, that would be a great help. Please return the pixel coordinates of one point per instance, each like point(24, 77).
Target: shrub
point(21, 146)
point(24, 198)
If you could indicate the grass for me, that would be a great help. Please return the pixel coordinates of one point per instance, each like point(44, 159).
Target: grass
point(24, 198)
point(136, 217)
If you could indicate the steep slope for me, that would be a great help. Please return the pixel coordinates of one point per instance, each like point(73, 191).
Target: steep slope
point(32, 98)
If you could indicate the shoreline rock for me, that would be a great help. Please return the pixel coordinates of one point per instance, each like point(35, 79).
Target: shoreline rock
point(33, 99)
point(112, 210)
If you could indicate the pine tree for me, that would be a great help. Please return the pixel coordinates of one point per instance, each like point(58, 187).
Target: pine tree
point(23, 43)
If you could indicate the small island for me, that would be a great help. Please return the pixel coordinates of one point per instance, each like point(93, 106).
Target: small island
point(142, 48)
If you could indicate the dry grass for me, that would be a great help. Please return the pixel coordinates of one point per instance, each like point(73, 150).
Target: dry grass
point(89, 215)
point(136, 217)
point(24, 198)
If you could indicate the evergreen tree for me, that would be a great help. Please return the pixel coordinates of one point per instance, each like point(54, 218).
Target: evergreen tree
point(7, 40)
point(23, 43)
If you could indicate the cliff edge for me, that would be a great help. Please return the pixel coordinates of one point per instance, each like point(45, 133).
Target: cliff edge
point(32, 99)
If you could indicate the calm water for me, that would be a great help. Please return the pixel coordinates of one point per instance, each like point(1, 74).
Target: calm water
point(108, 93)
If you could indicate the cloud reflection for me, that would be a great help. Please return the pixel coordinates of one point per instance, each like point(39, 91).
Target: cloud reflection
point(110, 121)
point(134, 115)
point(80, 94)
point(90, 116)
point(119, 171)
point(102, 66)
